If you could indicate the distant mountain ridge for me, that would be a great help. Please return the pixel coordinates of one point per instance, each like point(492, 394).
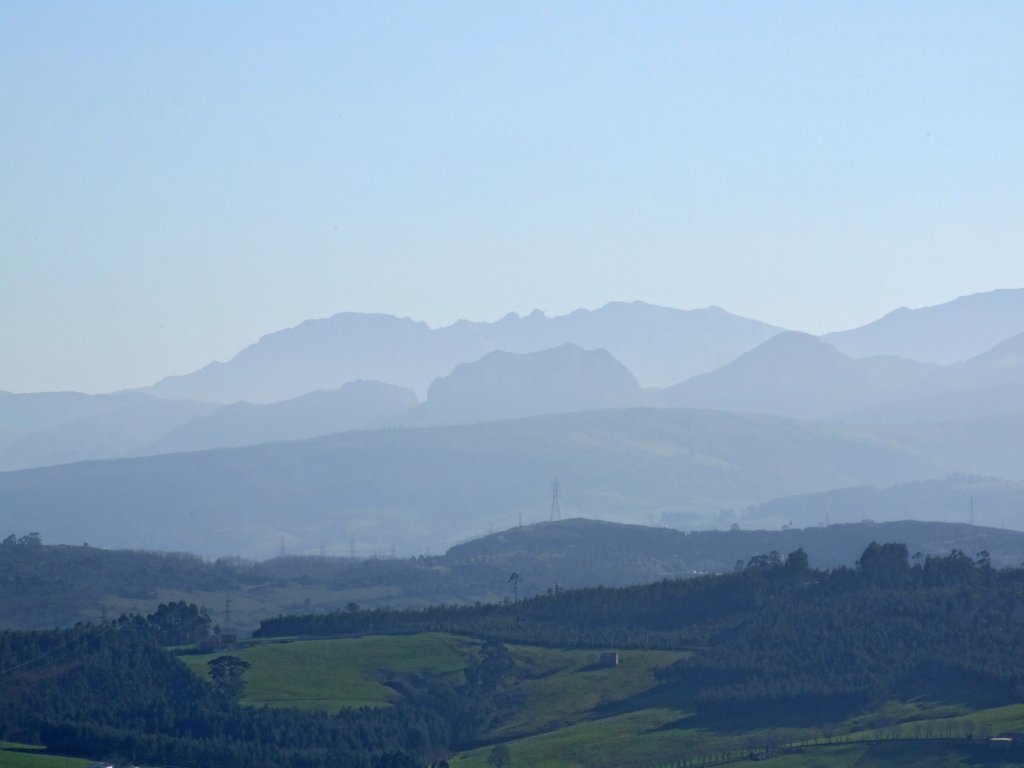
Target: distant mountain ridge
point(658, 345)
point(504, 385)
point(944, 333)
point(420, 489)
point(803, 376)
point(43, 428)
point(791, 374)
point(581, 552)
point(355, 405)
point(524, 366)
point(957, 498)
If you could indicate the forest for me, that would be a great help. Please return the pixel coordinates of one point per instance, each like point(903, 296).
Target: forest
point(46, 586)
point(114, 691)
point(810, 646)
point(775, 631)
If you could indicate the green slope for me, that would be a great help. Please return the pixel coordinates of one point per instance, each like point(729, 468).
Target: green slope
point(352, 672)
point(14, 755)
point(561, 709)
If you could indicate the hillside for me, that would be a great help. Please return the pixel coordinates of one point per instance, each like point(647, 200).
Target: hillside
point(578, 553)
point(776, 656)
point(59, 585)
point(791, 374)
point(986, 386)
point(877, 664)
point(956, 499)
point(504, 385)
point(47, 428)
point(945, 333)
point(798, 375)
point(423, 490)
point(659, 345)
point(356, 405)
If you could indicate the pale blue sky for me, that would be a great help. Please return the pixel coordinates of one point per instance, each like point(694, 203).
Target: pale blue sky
point(177, 179)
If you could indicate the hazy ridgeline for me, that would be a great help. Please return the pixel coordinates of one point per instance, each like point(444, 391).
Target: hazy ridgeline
point(510, 406)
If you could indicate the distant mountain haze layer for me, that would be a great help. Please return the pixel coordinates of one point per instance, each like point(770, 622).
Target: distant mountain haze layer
point(659, 345)
point(945, 333)
point(798, 375)
point(986, 501)
point(505, 385)
point(356, 405)
point(792, 374)
point(987, 386)
point(44, 428)
point(763, 371)
point(426, 489)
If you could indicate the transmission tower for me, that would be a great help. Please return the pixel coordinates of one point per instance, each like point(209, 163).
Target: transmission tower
point(556, 510)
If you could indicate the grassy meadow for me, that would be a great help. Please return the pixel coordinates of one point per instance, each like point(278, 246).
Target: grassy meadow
point(563, 710)
point(347, 672)
point(13, 755)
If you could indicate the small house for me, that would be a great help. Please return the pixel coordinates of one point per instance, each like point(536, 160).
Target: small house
point(608, 659)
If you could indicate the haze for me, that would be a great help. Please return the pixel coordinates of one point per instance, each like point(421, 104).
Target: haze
point(180, 179)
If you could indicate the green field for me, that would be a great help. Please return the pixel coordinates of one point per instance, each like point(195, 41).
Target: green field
point(29, 756)
point(349, 672)
point(557, 688)
point(562, 710)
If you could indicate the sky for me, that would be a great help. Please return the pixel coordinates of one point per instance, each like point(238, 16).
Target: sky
point(178, 179)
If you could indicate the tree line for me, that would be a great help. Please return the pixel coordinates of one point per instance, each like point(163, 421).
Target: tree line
point(773, 633)
point(114, 692)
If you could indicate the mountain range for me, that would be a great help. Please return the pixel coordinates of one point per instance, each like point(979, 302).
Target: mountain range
point(355, 405)
point(507, 385)
point(659, 345)
point(428, 488)
point(945, 333)
point(38, 429)
point(779, 413)
point(795, 374)
point(759, 369)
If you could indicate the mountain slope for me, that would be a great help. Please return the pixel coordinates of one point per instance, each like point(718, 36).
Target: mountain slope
point(44, 586)
point(945, 333)
point(356, 405)
point(989, 385)
point(47, 428)
point(659, 345)
point(421, 489)
point(504, 385)
point(988, 501)
point(582, 553)
point(796, 374)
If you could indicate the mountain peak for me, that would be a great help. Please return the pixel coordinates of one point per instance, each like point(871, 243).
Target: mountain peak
point(659, 345)
point(943, 333)
point(514, 384)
